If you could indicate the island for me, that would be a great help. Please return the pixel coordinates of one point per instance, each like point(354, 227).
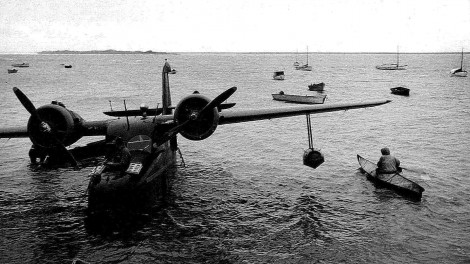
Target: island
point(109, 51)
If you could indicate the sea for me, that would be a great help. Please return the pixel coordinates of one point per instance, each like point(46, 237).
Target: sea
point(243, 195)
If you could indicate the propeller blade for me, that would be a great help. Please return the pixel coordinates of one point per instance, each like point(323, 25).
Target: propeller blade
point(172, 132)
point(218, 100)
point(70, 157)
point(24, 100)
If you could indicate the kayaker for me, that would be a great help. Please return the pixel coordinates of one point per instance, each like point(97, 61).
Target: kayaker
point(121, 159)
point(387, 163)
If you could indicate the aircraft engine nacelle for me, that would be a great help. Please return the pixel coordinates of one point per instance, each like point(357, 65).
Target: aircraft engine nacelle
point(64, 126)
point(200, 127)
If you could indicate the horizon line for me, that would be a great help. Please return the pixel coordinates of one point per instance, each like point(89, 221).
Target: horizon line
point(226, 52)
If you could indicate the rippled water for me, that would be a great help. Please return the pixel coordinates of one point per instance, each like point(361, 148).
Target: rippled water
point(244, 195)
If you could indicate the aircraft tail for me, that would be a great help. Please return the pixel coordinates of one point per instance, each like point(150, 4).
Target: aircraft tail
point(166, 96)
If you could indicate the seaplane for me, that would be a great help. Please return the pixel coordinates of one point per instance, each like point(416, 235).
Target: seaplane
point(150, 136)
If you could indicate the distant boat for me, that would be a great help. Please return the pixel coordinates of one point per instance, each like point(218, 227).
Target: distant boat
point(304, 67)
point(173, 71)
point(392, 66)
point(316, 86)
point(459, 72)
point(296, 63)
point(400, 91)
point(279, 75)
point(68, 66)
point(12, 70)
point(301, 99)
point(21, 65)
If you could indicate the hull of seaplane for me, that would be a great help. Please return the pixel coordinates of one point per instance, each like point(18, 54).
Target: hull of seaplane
point(125, 190)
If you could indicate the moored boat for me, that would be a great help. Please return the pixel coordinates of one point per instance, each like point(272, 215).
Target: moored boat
point(12, 70)
point(400, 91)
point(459, 72)
point(304, 67)
point(279, 75)
point(316, 86)
point(301, 99)
point(392, 66)
point(21, 65)
point(394, 181)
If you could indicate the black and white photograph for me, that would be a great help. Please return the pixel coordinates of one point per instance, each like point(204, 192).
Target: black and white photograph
point(248, 131)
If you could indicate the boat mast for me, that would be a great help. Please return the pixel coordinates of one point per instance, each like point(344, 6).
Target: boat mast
point(461, 61)
point(398, 57)
point(307, 55)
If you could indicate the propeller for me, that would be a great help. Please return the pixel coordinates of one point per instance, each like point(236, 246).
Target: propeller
point(198, 115)
point(45, 127)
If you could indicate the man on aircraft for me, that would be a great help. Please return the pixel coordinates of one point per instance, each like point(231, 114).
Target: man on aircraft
point(388, 163)
point(122, 157)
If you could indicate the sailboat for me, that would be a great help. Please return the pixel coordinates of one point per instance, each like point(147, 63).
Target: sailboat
point(304, 67)
point(392, 66)
point(459, 72)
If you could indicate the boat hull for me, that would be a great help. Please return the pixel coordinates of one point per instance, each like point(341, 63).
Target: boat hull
point(300, 99)
point(390, 67)
point(111, 190)
point(304, 68)
point(394, 181)
point(400, 91)
point(457, 73)
point(279, 75)
point(20, 65)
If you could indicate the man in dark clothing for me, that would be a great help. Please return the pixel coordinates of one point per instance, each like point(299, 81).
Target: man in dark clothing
point(122, 157)
point(387, 163)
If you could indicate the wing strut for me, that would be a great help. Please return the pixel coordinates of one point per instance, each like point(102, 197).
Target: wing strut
point(312, 156)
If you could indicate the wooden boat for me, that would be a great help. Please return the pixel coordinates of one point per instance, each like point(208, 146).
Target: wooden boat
point(459, 72)
point(392, 66)
point(316, 86)
point(394, 181)
point(301, 99)
point(12, 70)
point(279, 75)
point(21, 65)
point(400, 91)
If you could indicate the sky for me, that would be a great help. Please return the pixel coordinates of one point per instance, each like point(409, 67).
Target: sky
point(235, 26)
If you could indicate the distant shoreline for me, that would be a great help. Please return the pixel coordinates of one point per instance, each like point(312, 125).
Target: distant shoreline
point(91, 52)
point(111, 51)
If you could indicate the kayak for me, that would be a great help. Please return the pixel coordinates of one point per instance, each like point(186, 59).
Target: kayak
point(394, 181)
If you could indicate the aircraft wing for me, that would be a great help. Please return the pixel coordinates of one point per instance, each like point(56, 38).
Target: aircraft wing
point(88, 128)
point(229, 117)
point(13, 132)
point(238, 116)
